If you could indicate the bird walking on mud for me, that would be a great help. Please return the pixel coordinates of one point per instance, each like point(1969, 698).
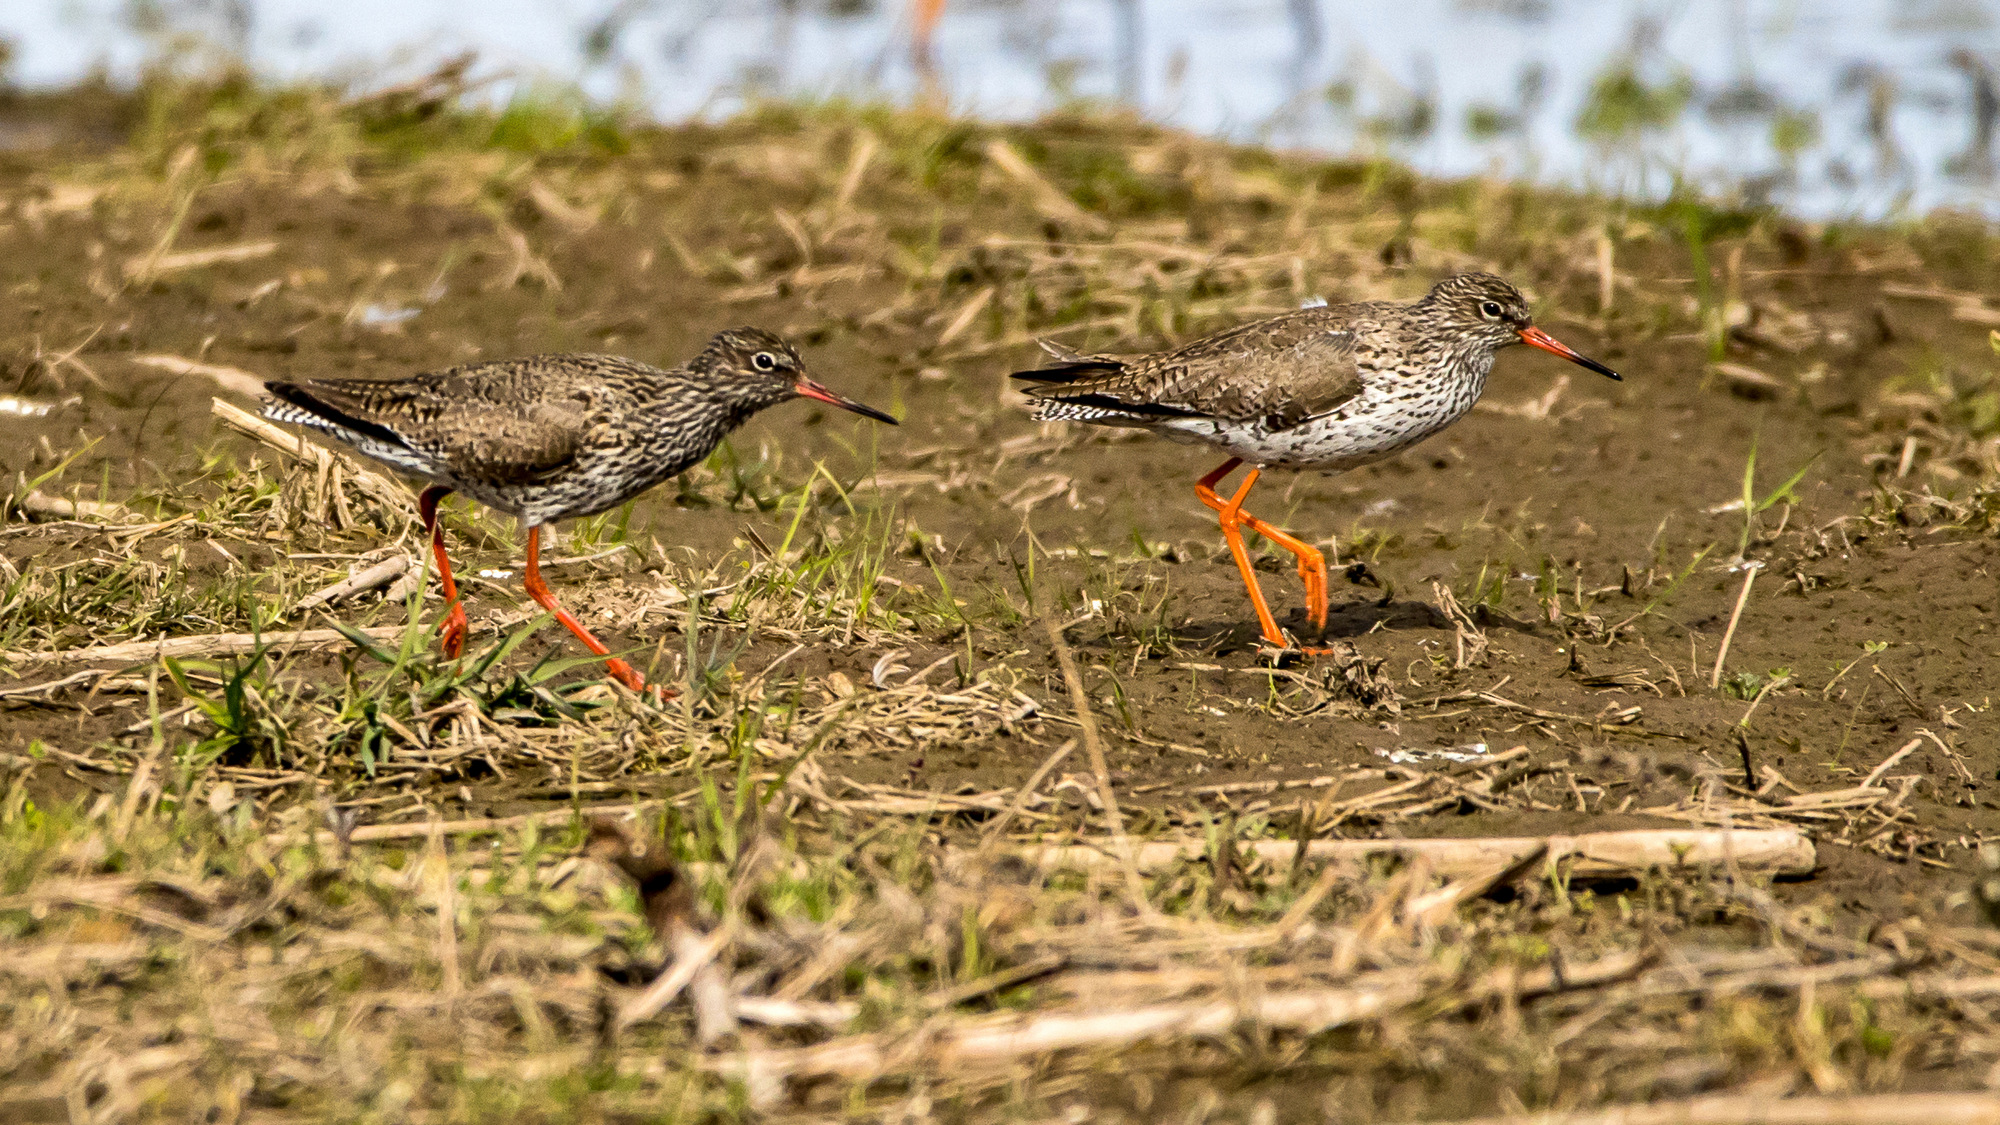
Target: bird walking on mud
point(552, 436)
point(1329, 388)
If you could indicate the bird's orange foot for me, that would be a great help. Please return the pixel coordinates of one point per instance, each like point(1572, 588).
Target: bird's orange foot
point(1283, 657)
point(625, 674)
point(451, 637)
point(1287, 649)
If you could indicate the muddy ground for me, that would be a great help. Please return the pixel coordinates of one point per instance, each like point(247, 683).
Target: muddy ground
point(1557, 571)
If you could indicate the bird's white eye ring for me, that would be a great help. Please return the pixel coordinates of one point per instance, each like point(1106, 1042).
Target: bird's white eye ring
point(764, 361)
point(1490, 310)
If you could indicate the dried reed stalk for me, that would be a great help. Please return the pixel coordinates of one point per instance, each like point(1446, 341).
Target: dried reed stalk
point(39, 505)
point(228, 378)
point(1004, 1038)
point(443, 888)
point(1049, 199)
point(145, 267)
point(208, 644)
point(1735, 615)
point(1784, 851)
point(691, 955)
point(51, 687)
point(1021, 799)
point(1977, 1108)
point(1086, 722)
point(714, 1002)
point(371, 832)
point(381, 574)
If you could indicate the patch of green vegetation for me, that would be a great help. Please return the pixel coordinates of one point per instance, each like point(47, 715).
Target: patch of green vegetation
point(1622, 105)
point(544, 120)
point(1098, 174)
point(1485, 122)
point(1748, 685)
point(226, 117)
point(230, 120)
point(1754, 505)
point(1968, 399)
point(1700, 224)
point(1793, 131)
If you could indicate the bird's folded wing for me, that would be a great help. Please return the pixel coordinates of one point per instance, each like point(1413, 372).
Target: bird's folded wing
point(517, 445)
point(1280, 372)
point(505, 440)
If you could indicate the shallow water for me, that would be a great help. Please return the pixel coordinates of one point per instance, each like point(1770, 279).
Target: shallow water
point(1882, 117)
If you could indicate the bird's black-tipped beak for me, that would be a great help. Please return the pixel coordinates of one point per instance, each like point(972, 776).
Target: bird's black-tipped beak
point(809, 389)
point(1536, 338)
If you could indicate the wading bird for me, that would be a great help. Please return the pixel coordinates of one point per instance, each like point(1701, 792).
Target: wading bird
point(1328, 388)
point(553, 436)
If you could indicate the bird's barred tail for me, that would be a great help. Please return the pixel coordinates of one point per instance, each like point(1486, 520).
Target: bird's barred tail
point(280, 411)
point(292, 404)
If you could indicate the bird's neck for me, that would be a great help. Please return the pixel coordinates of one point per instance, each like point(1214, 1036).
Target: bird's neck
point(715, 399)
point(1443, 357)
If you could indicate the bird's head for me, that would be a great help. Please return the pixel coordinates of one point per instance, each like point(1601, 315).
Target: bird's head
point(769, 371)
point(1486, 310)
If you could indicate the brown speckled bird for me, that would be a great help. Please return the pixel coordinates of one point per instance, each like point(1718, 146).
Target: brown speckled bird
point(552, 436)
point(1329, 388)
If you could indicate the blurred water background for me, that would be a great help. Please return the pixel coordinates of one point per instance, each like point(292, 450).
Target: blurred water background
point(1838, 108)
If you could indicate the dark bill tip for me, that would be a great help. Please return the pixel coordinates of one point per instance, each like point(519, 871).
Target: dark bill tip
point(809, 389)
point(1535, 337)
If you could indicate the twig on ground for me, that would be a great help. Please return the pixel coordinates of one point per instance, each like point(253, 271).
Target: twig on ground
point(1019, 974)
point(207, 644)
point(1976, 1108)
point(1086, 720)
point(1048, 198)
point(1027, 793)
point(51, 687)
point(233, 379)
point(1435, 907)
point(1778, 850)
point(38, 505)
point(381, 574)
point(1735, 615)
point(1889, 763)
point(1489, 698)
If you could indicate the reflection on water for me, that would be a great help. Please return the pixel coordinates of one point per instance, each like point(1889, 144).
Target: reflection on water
point(1870, 107)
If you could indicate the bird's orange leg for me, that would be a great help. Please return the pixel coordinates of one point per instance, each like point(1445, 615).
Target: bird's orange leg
point(451, 636)
point(1232, 533)
point(539, 590)
point(1312, 566)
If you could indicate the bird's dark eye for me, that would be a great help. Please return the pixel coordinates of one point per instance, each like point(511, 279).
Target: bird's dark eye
point(1490, 310)
point(765, 361)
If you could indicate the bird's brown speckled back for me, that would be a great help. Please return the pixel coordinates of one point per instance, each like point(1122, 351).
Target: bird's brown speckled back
point(551, 436)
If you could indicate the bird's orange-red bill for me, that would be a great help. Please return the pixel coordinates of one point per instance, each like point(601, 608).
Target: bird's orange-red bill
point(809, 389)
point(1535, 337)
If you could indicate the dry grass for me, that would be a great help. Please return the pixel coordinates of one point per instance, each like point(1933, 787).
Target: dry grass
point(215, 936)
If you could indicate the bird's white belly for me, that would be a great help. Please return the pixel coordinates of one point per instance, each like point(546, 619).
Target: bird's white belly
point(1376, 424)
